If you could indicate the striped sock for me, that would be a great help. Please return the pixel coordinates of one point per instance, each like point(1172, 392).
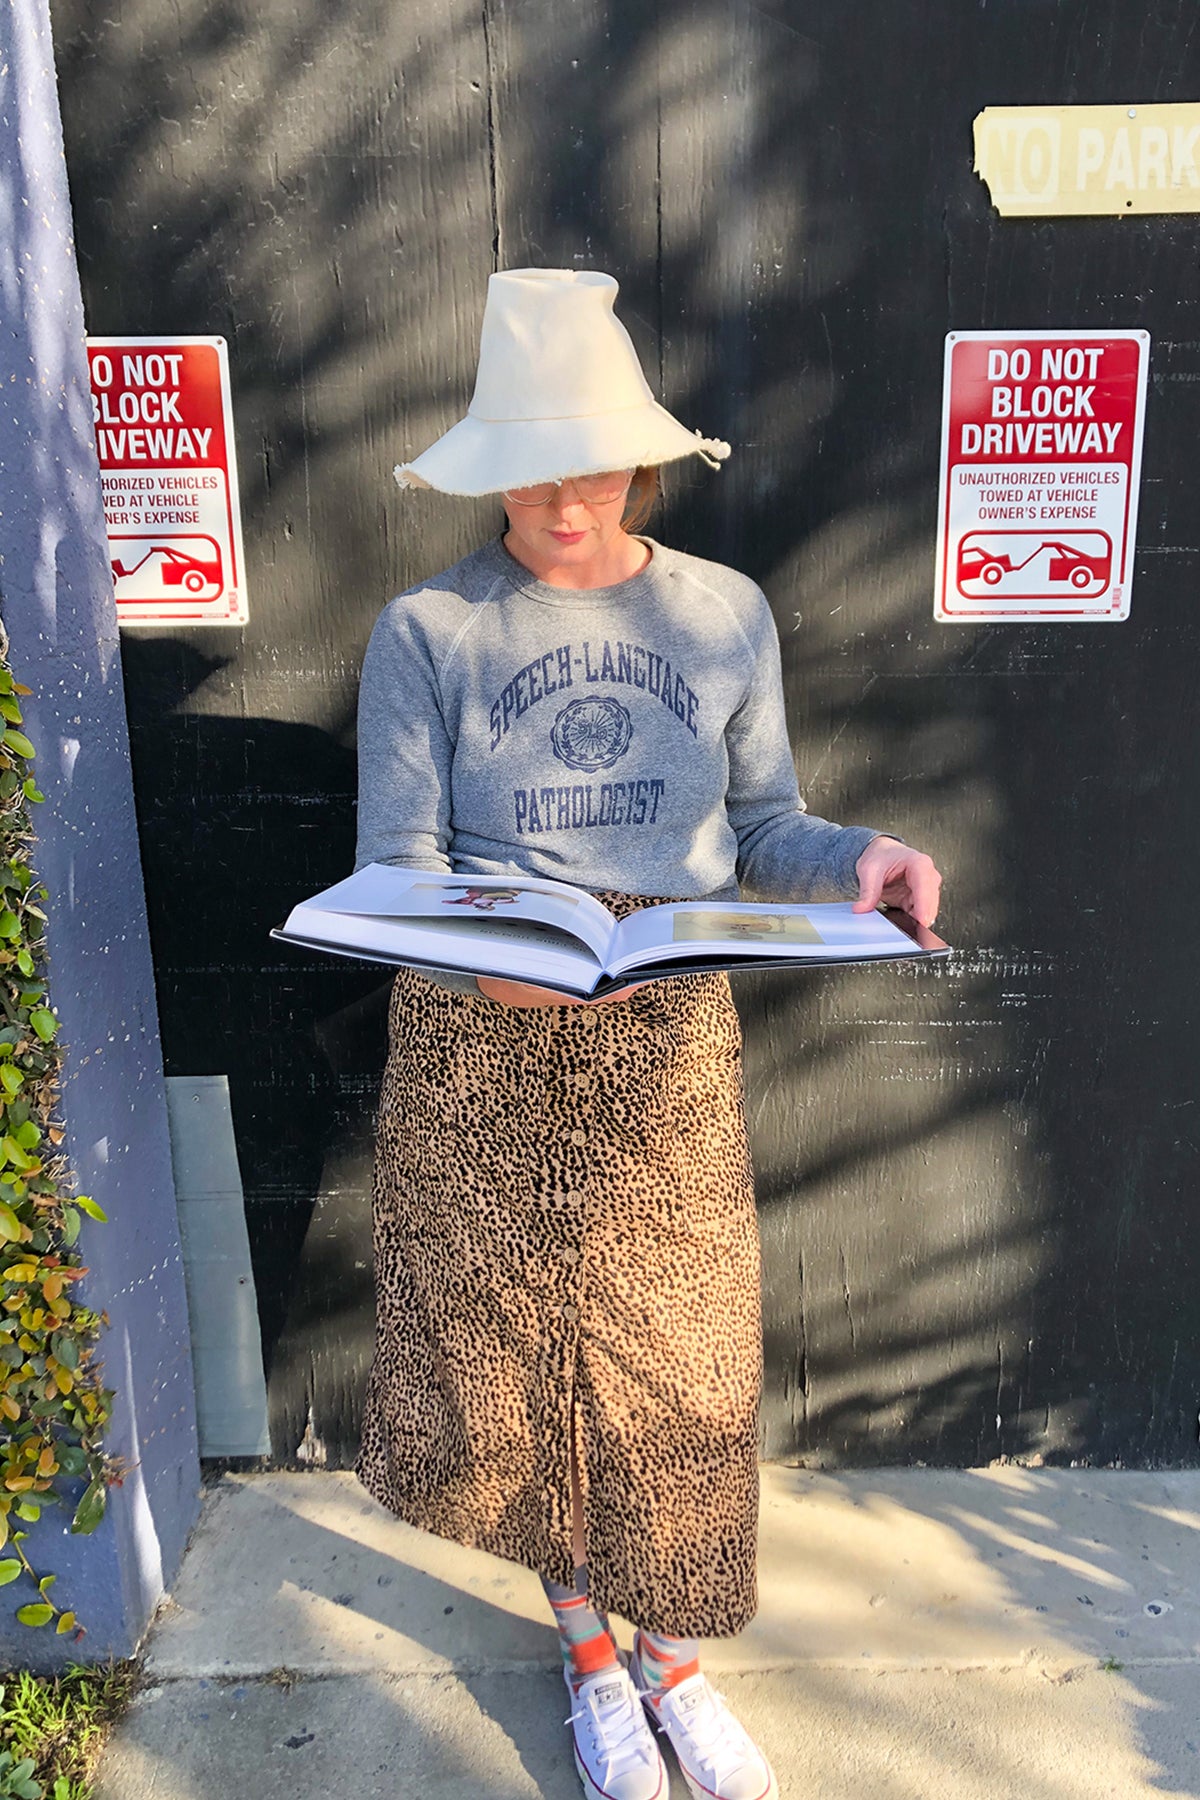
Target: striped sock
point(665, 1661)
point(583, 1634)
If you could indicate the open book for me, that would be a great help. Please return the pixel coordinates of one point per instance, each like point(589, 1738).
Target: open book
point(559, 936)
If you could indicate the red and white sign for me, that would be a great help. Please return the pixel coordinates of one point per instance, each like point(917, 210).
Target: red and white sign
point(164, 434)
point(1041, 460)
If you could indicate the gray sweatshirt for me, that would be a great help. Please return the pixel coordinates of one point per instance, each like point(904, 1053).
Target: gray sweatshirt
point(629, 737)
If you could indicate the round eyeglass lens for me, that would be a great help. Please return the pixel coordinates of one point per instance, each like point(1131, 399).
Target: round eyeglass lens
point(531, 496)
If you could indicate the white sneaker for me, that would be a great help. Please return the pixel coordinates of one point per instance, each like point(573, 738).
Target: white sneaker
point(615, 1752)
point(720, 1761)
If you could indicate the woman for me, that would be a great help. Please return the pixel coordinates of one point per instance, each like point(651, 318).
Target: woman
point(568, 1352)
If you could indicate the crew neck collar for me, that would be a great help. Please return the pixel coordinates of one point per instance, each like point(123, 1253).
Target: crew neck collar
point(620, 593)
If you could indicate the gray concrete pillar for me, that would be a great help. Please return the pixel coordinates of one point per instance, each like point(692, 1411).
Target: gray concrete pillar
point(57, 603)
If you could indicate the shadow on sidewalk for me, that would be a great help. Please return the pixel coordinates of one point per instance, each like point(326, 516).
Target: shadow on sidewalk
point(1056, 1611)
point(1001, 1634)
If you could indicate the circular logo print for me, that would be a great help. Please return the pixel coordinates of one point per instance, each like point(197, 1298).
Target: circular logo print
point(591, 734)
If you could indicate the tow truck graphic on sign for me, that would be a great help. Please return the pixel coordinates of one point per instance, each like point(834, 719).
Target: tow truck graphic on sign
point(1035, 565)
point(149, 569)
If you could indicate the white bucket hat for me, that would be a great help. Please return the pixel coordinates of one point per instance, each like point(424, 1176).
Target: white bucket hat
point(559, 392)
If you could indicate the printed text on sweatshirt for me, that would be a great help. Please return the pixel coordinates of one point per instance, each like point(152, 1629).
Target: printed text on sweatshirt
point(630, 737)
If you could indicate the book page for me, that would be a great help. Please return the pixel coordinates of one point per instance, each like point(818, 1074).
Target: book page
point(519, 950)
point(381, 891)
point(738, 929)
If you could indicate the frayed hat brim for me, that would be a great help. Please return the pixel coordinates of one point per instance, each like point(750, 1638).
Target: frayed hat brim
point(489, 456)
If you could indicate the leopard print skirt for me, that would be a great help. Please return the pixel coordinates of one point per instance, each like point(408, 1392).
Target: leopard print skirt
point(565, 1246)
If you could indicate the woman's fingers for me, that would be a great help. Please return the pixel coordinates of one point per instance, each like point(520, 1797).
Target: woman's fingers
point(878, 865)
point(925, 887)
point(870, 890)
point(899, 876)
point(917, 891)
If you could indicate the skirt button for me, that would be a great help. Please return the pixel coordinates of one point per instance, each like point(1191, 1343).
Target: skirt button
point(570, 1312)
point(579, 1137)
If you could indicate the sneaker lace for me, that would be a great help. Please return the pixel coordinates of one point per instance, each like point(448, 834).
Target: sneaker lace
point(714, 1735)
point(617, 1729)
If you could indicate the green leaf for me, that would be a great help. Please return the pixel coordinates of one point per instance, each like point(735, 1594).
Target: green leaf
point(29, 1509)
point(16, 740)
point(10, 1228)
point(47, 1581)
point(65, 1348)
point(91, 1207)
point(44, 1023)
point(13, 1153)
point(70, 1227)
point(90, 1510)
point(33, 1614)
point(66, 1623)
point(9, 708)
point(28, 1135)
point(32, 790)
point(10, 925)
point(10, 1568)
point(11, 1078)
point(25, 962)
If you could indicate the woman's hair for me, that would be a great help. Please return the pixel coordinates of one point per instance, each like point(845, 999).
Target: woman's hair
point(644, 491)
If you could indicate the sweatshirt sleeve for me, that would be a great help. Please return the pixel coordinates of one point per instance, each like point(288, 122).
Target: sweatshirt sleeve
point(784, 852)
point(405, 756)
point(405, 753)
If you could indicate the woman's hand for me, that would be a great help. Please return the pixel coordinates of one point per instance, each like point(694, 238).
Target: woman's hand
point(523, 993)
point(897, 875)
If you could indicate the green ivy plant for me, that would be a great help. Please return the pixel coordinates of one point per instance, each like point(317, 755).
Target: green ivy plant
point(17, 1777)
point(53, 1406)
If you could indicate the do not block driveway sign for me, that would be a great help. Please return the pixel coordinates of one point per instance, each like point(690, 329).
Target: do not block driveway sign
point(164, 436)
point(1041, 459)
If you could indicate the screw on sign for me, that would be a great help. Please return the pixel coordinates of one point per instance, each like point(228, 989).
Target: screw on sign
point(164, 438)
point(1040, 465)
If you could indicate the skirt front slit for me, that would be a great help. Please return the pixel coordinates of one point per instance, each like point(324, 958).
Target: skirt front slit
point(564, 1234)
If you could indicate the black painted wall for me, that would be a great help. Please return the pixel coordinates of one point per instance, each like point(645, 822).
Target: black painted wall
point(978, 1184)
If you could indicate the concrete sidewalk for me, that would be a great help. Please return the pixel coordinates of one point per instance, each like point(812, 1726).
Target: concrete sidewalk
point(1000, 1634)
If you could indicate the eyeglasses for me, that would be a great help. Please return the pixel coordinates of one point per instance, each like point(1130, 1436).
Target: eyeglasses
point(605, 486)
